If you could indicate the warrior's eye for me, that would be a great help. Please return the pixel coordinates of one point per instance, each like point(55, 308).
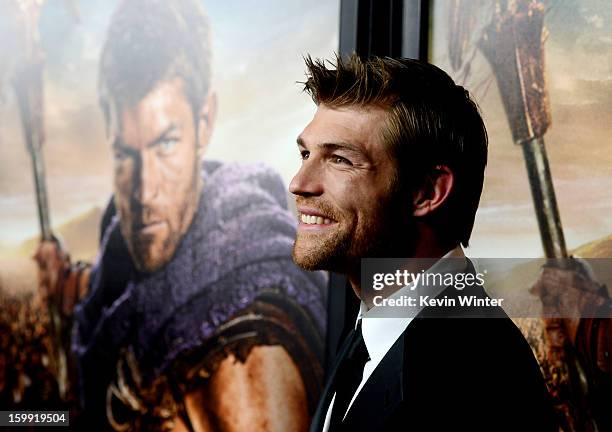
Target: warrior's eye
point(167, 144)
point(119, 154)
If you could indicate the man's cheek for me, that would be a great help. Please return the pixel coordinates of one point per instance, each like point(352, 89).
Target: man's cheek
point(176, 167)
point(123, 190)
point(124, 173)
point(123, 210)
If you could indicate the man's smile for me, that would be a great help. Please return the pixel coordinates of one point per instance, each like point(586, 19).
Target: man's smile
point(314, 219)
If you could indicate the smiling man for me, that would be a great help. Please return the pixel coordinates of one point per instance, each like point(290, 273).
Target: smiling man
point(393, 166)
point(350, 170)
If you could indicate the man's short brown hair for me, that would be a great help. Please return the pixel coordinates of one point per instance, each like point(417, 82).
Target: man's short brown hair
point(149, 41)
point(431, 122)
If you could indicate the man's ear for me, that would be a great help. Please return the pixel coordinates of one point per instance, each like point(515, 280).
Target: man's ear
point(206, 122)
point(434, 192)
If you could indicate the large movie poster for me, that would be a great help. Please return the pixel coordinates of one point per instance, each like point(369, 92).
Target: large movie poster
point(146, 280)
point(541, 72)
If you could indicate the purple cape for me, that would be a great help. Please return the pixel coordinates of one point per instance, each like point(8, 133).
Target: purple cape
point(238, 245)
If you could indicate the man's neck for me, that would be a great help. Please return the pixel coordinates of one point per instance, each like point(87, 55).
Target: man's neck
point(425, 251)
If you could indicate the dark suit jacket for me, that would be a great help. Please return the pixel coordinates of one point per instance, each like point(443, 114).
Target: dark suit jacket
point(451, 373)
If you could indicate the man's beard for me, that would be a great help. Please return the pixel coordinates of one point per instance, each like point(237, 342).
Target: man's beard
point(149, 257)
point(328, 253)
point(385, 234)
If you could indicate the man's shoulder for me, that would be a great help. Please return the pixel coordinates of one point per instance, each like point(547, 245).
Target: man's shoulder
point(482, 329)
point(470, 334)
point(272, 319)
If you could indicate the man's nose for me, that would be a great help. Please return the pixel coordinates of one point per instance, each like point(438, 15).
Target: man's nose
point(308, 181)
point(147, 178)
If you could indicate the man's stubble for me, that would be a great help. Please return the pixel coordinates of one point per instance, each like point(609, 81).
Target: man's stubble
point(385, 234)
point(149, 258)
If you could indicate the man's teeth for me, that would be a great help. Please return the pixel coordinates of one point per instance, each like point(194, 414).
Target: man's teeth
point(314, 220)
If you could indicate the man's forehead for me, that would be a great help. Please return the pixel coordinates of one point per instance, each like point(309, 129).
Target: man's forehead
point(355, 124)
point(164, 105)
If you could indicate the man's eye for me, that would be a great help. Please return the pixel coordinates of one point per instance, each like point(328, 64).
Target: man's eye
point(340, 160)
point(305, 154)
point(167, 144)
point(119, 155)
